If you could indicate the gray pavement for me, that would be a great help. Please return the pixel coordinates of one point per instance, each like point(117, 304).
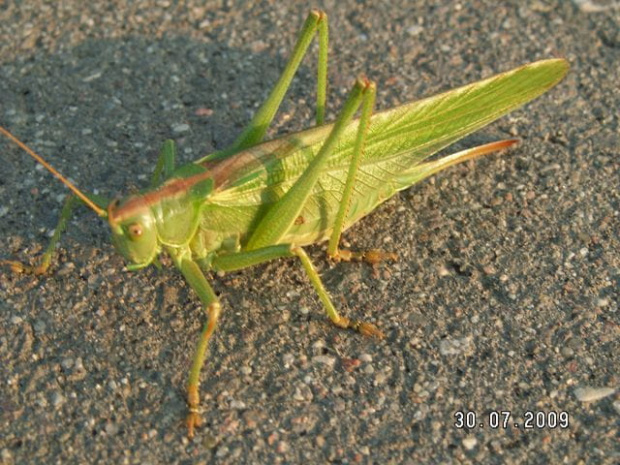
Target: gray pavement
point(505, 298)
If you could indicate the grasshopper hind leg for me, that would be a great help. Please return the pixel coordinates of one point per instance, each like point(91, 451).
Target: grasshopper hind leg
point(372, 256)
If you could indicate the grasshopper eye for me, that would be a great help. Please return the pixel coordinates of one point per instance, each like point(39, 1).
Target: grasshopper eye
point(135, 231)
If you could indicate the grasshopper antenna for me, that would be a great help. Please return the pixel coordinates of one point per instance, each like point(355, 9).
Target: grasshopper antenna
point(101, 212)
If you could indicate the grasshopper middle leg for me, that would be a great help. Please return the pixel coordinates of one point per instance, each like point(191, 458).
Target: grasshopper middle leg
point(240, 260)
point(367, 329)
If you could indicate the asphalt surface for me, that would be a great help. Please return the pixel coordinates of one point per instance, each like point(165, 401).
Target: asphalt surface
point(505, 298)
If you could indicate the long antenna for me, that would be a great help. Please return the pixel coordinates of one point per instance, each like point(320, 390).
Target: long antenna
point(51, 169)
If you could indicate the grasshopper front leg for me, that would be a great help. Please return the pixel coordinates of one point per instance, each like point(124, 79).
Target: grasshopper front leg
point(165, 164)
point(46, 259)
point(71, 201)
point(197, 281)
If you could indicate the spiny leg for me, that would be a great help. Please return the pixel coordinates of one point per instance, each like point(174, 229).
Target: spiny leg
point(280, 217)
point(195, 278)
point(239, 260)
point(257, 128)
point(254, 133)
point(421, 171)
point(372, 256)
point(165, 162)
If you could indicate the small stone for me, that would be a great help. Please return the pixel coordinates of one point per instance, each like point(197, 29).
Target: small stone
point(67, 363)
point(111, 428)
point(287, 360)
point(380, 378)
point(237, 405)
point(6, 456)
point(39, 326)
point(590, 394)
point(422, 412)
point(303, 393)
point(469, 443)
point(57, 399)
point(414, 30)
point(567, 352)
point(454, 346)
point(602, 302)
point(79, 364)
point(180, 128)
point(325, 360)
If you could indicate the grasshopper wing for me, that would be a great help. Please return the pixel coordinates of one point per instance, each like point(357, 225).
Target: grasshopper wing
point(398, 143)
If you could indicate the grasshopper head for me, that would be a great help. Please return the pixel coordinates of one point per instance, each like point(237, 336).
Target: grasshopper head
point(134, 231)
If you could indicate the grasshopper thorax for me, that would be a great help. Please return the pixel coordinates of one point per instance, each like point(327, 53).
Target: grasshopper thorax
point(167, 216)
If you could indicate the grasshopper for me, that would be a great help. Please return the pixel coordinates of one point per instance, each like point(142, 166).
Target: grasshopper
point(258, 201)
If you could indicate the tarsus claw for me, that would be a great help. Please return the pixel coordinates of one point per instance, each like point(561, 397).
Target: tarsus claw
point(193, 420)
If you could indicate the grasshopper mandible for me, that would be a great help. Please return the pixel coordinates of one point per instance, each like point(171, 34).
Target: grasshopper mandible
point(257, 201)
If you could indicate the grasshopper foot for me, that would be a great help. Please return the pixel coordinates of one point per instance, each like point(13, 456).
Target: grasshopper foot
point(372, 256)
point(367, 329)
point(18, 267)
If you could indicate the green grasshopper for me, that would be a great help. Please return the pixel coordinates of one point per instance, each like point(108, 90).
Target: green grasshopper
point(258, 201)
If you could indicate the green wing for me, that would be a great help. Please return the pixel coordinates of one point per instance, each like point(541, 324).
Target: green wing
point(398, 143)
